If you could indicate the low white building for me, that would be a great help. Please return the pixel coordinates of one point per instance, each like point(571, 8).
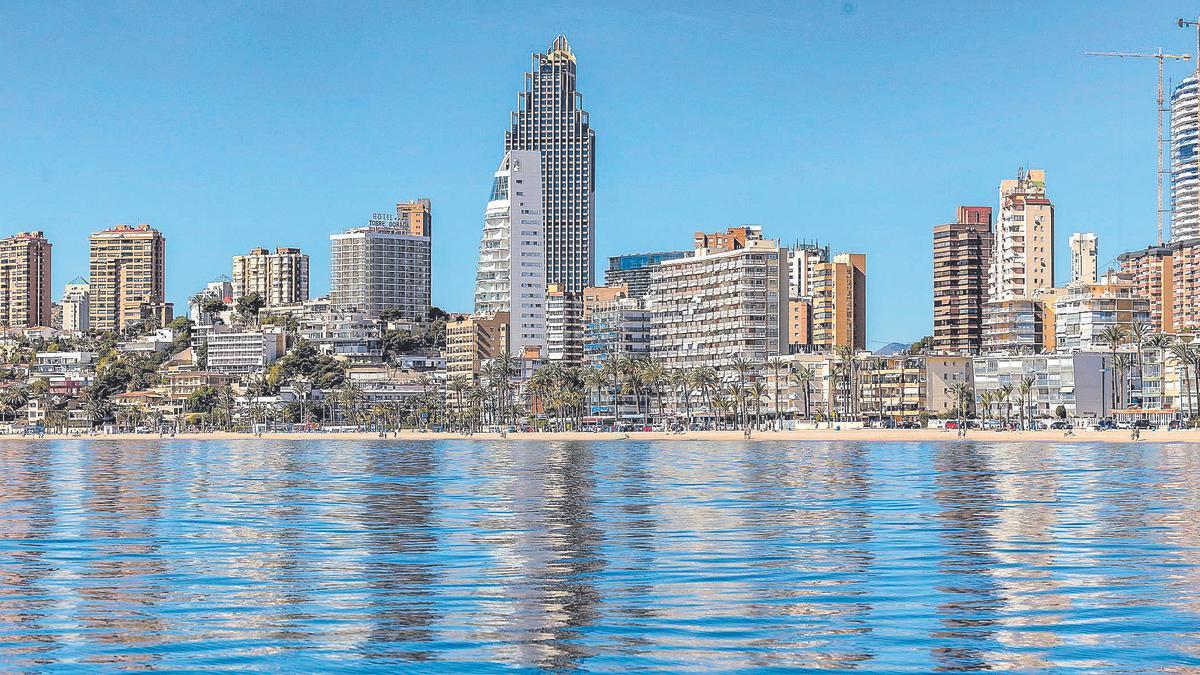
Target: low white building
point(1080, 382)
point(352, 335)
point(242, 352)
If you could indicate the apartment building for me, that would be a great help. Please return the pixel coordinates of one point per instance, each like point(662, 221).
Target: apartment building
point(1023, 246)
point(279, 277)
point(1152, 272)
point(803, 258)
point(839, 305)
point(127, 273)
point(1082, 312)
point(1018, 326)
point(416, 217)
point(732, 239)
point(1084, 251)
point(510, 276)
point(906, 386)
point(962, 254)
point(25, 280)
point(1185, 285)
point(564, 326)
point(76, 306)
point(633, 269)
point(1078, 382)
point(473, 340)
point(243, 352)
point(350, 335)
point(799, 324)
point(617, 327)
point(714, 307)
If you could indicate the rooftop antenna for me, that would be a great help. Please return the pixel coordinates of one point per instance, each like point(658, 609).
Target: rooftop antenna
point(1160, 56)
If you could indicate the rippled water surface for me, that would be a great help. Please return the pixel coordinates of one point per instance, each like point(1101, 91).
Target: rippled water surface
point(317, 556)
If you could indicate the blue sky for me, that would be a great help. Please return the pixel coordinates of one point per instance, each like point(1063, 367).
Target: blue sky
point(860, 123)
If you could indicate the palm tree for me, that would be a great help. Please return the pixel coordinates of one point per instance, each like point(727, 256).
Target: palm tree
point(458, 384)
point(1182, 355)
point(97, 406)
point(653, 374)
point(985, 403)
point(845, 355)
point(961, 393)
point(1138, 333)
point(756, 391)
point(1004, 397)
point(804, 376)
point(349, 399)
point(1122, 365)
point(596, 379)
point(777, 366)
point(705, 379)
point(1114, 336)
point(742, 368)
point(1024, 393)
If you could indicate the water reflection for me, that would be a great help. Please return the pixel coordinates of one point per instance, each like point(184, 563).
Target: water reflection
point(563, 556)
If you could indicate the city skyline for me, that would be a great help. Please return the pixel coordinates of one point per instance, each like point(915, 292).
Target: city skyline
point(1112, 104)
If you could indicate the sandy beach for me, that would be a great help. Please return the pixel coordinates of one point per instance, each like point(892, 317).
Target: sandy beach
point(858, 435)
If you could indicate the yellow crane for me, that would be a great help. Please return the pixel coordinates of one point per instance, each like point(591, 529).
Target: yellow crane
point(1161, 57)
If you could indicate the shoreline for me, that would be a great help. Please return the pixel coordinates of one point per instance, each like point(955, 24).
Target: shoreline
point(816, 435)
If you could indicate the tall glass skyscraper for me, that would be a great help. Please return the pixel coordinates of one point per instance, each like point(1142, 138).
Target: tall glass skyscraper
point(1185, 169)
point(550, 119)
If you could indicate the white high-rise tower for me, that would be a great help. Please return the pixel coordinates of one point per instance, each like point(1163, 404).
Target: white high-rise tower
point(1185, 160)
point(511, 275)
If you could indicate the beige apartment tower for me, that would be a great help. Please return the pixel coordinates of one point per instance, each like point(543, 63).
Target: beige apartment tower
point(128, 273)
point(471, 341)
point(839, 308)
point(279, 278)
point(1084, 249)
point(1023, 247)
point(25, 280)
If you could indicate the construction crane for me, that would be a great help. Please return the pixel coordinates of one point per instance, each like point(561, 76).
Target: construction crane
point(1161, 57)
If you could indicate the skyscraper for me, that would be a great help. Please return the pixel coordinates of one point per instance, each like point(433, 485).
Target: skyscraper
point(839, 307)
point(279, 278)
point(382, 266)
point(550, 119)
point(962, 253)
point(511, 274)
point(128, 273)
point(1023, 248)
point(1083, 258)
point(1185, 160)
point(25, 280)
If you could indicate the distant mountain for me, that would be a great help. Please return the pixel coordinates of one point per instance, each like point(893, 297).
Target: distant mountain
point(892, 348)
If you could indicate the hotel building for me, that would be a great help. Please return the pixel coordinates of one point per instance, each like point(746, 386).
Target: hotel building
point(382, 266)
